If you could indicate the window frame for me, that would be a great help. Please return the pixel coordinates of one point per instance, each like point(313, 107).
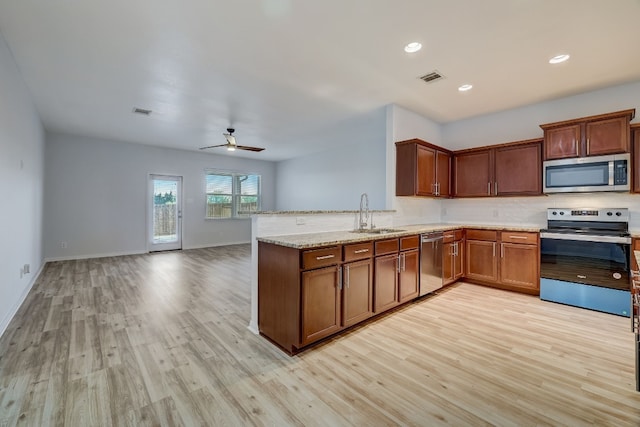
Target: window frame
point(235, 195)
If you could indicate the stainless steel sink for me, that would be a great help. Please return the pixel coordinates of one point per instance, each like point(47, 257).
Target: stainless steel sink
point(378, 231)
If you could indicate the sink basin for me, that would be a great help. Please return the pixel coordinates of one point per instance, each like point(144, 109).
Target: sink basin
point(378, 231)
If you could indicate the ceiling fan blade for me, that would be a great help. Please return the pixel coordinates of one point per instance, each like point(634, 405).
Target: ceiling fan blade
point(247, 148)
point(214, 146)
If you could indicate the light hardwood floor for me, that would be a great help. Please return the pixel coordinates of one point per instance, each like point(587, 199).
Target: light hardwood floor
point(162, 339)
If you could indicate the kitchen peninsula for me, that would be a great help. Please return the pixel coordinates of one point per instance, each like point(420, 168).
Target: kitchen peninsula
point(313, 285)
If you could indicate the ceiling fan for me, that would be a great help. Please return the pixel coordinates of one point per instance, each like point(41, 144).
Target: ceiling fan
point(231, 143)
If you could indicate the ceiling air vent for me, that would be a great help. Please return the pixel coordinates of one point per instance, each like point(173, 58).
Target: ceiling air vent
point(432, 77)
point(142, 111)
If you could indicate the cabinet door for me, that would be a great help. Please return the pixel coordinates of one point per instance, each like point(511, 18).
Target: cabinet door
point(357, 296)
point(385, 283)
point(562, 142)
point(409, 281)
point(473, 174)
point(481, 260)
point(519, 265)
point(607, 136)
point(518, 170)
point(448, 260)
point(443, 173)
point(458, 260)
point(320, 304)
point(425, 183)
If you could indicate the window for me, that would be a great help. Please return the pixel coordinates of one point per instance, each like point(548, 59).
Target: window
point(231, 195)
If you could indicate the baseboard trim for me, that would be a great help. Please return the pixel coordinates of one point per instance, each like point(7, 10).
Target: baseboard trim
point(11, 314)
point(105, 255)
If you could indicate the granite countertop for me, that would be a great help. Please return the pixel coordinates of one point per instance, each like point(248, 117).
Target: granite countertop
point(303, 241)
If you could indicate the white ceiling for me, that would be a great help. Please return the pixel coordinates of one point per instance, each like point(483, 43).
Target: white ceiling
point(278, 70)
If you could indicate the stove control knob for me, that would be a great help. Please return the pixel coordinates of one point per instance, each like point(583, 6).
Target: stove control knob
point(554, 213)
point(609, 213)
point(561, 213)
point(618, 213)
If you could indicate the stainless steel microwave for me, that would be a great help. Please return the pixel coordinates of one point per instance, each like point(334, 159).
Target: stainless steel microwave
point(587, 174)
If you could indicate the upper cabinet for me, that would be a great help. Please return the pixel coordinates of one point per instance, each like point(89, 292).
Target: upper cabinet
point(503, 170)
point(588, 136)
point(422, 169)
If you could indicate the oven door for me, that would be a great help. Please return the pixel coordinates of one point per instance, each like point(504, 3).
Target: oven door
point(592, 260)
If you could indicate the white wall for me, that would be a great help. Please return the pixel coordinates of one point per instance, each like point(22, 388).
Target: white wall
point(352, 163)
point(96, 196)
point(21, 174)
point(524, 122)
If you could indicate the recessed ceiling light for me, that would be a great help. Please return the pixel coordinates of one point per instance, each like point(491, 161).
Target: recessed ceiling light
point(465, 88)
point(558, 59)
point(413, 47)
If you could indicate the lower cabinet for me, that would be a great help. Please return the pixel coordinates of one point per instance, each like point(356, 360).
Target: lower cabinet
point(386, 283)
point(508, 260)
point(409, 276)
point(453, 249)
point(357, 292)
point(321, 302)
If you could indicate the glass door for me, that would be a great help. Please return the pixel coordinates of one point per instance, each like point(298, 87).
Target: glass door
point(165, 213)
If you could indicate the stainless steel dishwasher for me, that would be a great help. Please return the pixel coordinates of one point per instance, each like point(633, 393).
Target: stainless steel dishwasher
point(430, 262)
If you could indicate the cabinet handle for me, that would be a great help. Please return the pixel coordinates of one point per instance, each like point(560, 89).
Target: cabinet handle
point(494, 249)
point(501, 250)
point(496, 186)
point(588, 146)
point(319, 258)
point(446, 236)
point(455, 249)
point(340, 278)
point(404, 262)
point(577, 147)
point(518, 237)
point(398, 265)
point(437, 188)
point(488, 188)
point(347, 271)
point(361, 251)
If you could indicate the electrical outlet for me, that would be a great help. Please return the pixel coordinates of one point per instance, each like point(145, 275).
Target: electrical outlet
point(26, 269)
point(21, 273)
point(63, 245)
point(495, 213)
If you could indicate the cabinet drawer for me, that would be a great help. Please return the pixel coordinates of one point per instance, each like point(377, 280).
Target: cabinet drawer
point(388, 246)
point(316, 258)
point(409, 242)
point(474, 234)
point(452, 236)
point(519, 237)
point(358, 251)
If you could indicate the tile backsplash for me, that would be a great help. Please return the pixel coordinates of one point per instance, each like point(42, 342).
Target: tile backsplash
point(532, 210)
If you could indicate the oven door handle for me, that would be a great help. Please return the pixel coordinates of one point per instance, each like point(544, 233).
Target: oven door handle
point(585, 238)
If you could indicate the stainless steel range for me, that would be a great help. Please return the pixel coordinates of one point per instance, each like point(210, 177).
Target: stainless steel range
point(584, 259)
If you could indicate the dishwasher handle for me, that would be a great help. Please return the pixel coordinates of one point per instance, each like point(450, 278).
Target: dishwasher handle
point(426, 238)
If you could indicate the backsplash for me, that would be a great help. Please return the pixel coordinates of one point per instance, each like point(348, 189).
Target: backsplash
point(532, 211)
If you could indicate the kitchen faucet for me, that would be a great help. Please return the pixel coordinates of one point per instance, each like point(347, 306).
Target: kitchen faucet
point(364, 212)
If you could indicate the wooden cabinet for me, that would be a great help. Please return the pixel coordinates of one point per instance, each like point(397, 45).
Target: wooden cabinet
point(635, 147)
point(513, 169)
point(409, 269)
point(321, 302)
point(422, 169)
point(588, 136)
point(520, 260)
point(453, 248)
point(518, 170)
point(397, 272)
point(481, 261)
point(509, 260)
point(357, 293)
